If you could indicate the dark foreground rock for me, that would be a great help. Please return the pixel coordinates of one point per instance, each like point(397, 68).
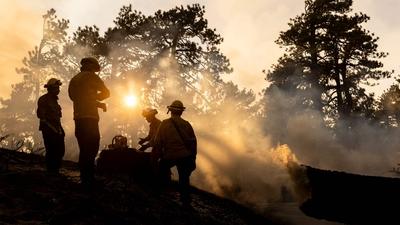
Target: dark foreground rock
point(350, 198)
point(28, 195)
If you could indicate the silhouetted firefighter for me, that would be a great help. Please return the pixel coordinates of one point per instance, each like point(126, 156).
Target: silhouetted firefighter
point(150, 115)
point(86, 89)
point(177, 143)
point(49, 113)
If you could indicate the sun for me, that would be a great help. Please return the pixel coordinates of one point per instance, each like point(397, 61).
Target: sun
point(130, 101)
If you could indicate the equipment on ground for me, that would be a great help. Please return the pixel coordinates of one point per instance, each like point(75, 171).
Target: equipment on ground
point(118, 158)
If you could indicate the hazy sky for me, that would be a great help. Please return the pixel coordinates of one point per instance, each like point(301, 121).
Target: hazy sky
point(249, 28)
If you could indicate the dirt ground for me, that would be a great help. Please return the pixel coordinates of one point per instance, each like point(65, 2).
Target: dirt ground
point(28, 195)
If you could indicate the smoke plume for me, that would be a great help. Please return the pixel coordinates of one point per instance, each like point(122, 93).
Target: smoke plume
point(238, 156)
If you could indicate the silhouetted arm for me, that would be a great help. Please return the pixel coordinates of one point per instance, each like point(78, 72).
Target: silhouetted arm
point(41, 110)
point(101, 105)
point(193, 139)
point(43, 115)
point(102, 90)
point(158, 141)
point(71, 90)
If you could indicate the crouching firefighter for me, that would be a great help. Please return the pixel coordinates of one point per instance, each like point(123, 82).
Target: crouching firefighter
point(49, 113)
point(150, 115)
point(177, 143)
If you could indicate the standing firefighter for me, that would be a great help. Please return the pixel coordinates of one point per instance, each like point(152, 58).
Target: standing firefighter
point(150, 115)
point(49, 113)
point(86, 90)
point(177, 142)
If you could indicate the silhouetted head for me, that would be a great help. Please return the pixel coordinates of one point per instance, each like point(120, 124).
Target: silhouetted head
point(90, 64)
point(53, 86)
point(149, 114)
point(176, 108)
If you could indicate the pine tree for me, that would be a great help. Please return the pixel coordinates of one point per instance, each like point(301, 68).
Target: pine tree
point(388, 112)
point(19, 111)
point(169, 55)
point(329, 57)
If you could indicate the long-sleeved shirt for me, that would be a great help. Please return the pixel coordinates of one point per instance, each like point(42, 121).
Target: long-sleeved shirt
point(154, 124)
point(85, 90)
point(170, 142)
point(49, 112)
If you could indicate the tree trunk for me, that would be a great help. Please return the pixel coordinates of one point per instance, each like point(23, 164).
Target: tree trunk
point(339, 87)
point(346, 84)
point(315, 72)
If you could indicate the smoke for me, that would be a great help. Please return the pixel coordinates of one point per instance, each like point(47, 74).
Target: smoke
point(370, 154)
point(366, 149)
point(236, 157)
point(237, 160)
point(16, 40)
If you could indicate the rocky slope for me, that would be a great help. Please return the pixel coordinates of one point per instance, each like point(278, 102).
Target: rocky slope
point(28, 195)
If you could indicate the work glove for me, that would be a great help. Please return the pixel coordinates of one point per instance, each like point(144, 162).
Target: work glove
point(141, 141)
point(143, 148)
point(103, 106)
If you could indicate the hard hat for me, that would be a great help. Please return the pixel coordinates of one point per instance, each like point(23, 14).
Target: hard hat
point(53, 82)
point(90, 64)
point(176, 105)
point(149, 111)
point(89, 60)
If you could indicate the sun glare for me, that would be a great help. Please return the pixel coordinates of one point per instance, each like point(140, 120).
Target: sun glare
point(130, 101)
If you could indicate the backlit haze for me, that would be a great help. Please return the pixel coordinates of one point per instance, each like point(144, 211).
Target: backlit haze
point(249, 29)
point(234, 159)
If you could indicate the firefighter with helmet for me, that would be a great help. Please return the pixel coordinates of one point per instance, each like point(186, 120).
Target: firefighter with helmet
point(49, 113)
point(87, 90)
point(177, 143)
point(148, 141)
